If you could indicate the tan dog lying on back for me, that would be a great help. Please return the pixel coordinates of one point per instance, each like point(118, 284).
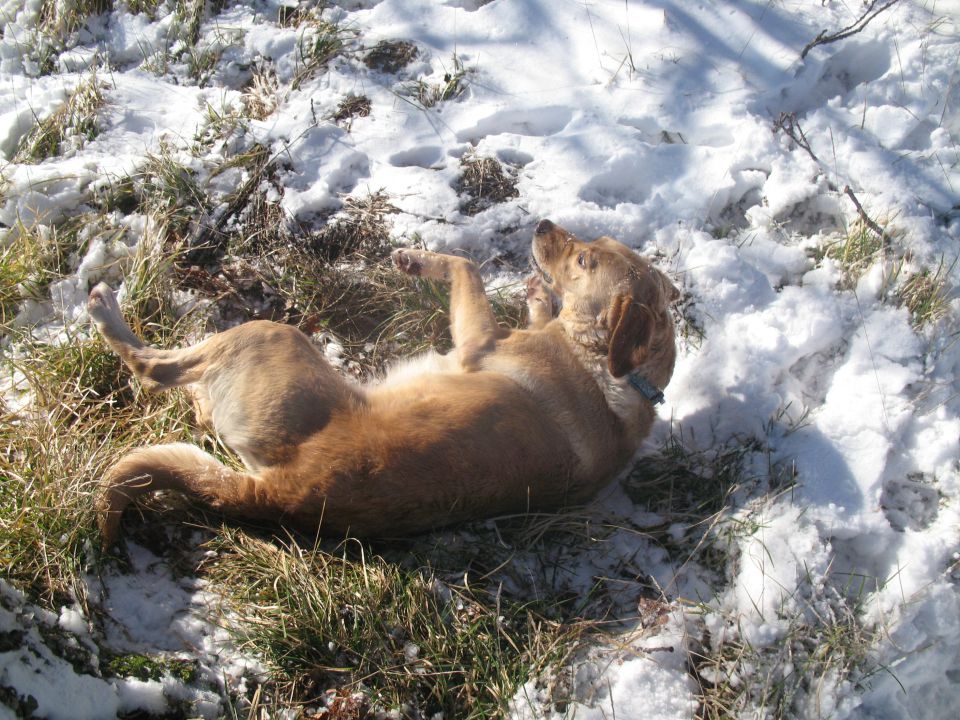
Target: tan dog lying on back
point(508, 421)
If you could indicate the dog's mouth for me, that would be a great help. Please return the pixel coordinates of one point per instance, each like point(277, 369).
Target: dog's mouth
point(538, 268)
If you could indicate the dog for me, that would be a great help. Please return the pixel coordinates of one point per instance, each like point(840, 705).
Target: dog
point(509, 421)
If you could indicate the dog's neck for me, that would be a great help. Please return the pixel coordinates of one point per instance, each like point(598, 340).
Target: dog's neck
point(586, 332)
point(629, 396)
point(590, 346)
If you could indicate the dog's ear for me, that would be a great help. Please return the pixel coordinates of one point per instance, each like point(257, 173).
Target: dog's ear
point(631, 327)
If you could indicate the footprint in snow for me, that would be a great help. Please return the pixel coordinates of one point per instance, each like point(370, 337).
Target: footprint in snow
point(428, 157)
point(910, 503)
point(532, 122)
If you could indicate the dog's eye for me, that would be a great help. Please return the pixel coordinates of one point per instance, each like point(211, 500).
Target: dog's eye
point(582, 259)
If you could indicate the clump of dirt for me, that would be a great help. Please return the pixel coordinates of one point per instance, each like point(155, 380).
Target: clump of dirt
point(391, 56)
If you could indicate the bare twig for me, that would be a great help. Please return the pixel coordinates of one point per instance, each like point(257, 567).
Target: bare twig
point(790, 125)
point(867, 220)
point(203, 231)
point(824, 38)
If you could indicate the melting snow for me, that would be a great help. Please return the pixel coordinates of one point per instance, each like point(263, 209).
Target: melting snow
point(652, 122)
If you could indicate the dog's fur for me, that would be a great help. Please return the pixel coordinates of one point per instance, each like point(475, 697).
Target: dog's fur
point(508, 421)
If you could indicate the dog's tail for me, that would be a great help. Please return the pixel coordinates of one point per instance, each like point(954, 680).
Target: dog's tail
point(182, 467)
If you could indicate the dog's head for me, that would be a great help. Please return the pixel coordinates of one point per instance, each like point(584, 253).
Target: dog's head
point(610, 296)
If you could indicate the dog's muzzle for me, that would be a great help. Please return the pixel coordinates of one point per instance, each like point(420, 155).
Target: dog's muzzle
point(543, 227)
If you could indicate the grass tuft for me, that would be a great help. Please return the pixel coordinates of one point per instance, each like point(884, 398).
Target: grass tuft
point(190, 15)
point(69, 127)
point(62, 17)
point(320, 42)
point(71, 412)
point(50, 457)
point(29, 259)
point(926, 294)
point(359, 227)
point(143, 7)
point(146, 668)
point(202, 62)
point(262, 96)
point(165, 188)
point(689, 324)
point(688, 484)
point(352, 106)
point(484, 182)
point(34, 257)
point(858, 250)
point(699, 491)
point(219, 126)
point(426, 94)
point(352, 622)
point(390, 56)
point(46, 525)
point(824, 646)
point(169, 191)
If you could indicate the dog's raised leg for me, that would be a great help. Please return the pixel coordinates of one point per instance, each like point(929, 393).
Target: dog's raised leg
point(262, 386)
point(155, 368)
point(472, 323)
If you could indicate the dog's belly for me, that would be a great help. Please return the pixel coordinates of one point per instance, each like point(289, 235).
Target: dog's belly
point(448, 448)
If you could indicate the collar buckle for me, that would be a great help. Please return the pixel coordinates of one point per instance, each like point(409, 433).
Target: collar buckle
point(646, 388)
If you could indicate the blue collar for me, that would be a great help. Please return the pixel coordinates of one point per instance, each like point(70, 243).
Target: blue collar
point(646, 388)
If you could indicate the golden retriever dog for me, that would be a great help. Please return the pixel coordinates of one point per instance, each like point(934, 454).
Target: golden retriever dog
point(509, 421)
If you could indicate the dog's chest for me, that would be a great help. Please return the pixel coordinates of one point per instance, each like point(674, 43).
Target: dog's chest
point(412, 368)
point(621, 399)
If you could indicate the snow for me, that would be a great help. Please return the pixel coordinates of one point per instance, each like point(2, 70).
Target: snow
point(654, 123)
point(147, 611)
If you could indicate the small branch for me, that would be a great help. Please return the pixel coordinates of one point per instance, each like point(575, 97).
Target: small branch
point(790, 126)
point(867, 220)
point(204, 231)
point(824, 38)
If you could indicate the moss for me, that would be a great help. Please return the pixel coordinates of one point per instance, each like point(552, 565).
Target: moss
point(146, 668)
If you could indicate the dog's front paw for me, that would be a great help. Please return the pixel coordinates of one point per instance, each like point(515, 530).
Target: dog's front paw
point(408, 261)
point(541, 304)
point(535, 287)
point(102, 303)
point(415, 262)
point(538, 292)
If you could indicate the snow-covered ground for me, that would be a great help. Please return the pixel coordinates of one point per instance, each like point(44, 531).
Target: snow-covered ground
point(654, 122)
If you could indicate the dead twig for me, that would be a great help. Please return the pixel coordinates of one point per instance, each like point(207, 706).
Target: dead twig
point(825, 38)
point(790, 126)
point(867, 220)
point(204, 232)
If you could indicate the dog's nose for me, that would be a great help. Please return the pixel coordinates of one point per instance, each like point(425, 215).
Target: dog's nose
point(543, 227)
